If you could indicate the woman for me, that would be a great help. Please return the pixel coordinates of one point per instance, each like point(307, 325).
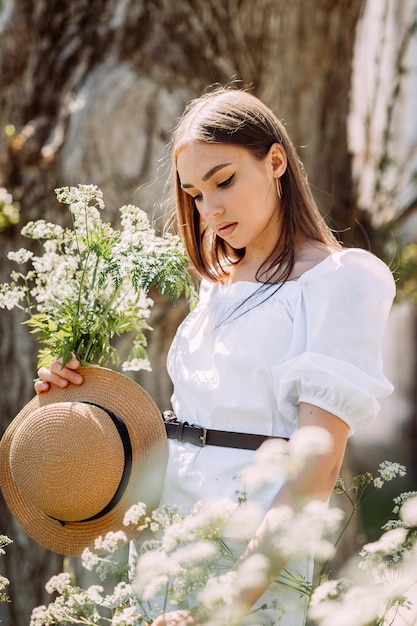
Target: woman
point(288, 329)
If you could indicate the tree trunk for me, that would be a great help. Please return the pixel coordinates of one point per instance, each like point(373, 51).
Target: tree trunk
point(93, 88)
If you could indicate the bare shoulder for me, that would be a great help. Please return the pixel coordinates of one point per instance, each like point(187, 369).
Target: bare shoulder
point(308, 255)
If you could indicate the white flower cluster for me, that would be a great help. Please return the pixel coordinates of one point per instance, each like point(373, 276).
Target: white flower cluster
point(135, 515)
point(401, 499)
point(188, 561)
point(387, 472)
point(408, 512)
point(387, 594)
point(91, 281)
point(58, 583)
point(277, 459)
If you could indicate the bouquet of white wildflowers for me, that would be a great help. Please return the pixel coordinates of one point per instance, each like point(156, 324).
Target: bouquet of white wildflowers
point(92, 281)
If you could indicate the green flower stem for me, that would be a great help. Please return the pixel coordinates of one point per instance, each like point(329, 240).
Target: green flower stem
point(147, 613)
point(93, 281)
point(166, 597)
point(86, 204)
point(98, 323)
point(361, 499)
point(79, 620)
point(82, 278)
point(346, 524)
point(27, 296)
point(84, 269)
point(343, 530)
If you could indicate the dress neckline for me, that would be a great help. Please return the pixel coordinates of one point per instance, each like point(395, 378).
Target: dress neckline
point(317, 266)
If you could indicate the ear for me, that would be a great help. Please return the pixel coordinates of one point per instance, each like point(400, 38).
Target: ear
point(278, 159)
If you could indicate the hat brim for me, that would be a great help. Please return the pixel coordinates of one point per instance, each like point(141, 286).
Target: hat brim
point(147, 433)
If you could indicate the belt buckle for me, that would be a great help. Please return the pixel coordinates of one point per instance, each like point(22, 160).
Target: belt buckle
point(197, 435)
point(194, 434)
point(203, 435)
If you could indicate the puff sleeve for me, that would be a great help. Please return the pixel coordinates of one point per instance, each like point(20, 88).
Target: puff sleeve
point(334, 360)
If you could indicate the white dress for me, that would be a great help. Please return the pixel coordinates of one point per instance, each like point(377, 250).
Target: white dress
point(243, 364)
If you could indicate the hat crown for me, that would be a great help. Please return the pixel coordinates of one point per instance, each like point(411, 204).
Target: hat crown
point(67, 460)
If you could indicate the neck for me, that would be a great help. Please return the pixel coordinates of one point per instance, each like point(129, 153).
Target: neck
point(248, 270)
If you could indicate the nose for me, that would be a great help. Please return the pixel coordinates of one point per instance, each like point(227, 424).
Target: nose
point(209, 208)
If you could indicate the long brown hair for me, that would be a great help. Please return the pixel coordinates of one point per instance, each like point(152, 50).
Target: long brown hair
point(234, 116)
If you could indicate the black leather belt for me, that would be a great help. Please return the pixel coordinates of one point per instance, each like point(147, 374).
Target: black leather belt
point(199, 436)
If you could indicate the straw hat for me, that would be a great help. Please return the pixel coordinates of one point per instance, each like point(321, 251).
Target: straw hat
point(74, 460)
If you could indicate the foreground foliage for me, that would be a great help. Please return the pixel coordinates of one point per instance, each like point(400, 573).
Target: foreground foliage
point(185, 562)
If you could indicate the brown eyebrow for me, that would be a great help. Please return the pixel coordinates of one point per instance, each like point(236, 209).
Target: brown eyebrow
point(208, 175)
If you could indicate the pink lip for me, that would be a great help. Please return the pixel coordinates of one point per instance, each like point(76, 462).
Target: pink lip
point(225, 229)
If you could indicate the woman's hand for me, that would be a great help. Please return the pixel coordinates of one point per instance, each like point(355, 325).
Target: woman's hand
point(58, 375)
point(175, 618)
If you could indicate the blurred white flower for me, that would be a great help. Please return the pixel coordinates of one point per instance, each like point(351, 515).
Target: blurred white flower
point(388, 471)
point(58, 583)
point(135, 365)
point(127, 617)
point(253, 571)
point(122, 595)
point(110, 542)
point(5, 196)
point(95, 593)
point(11, 297)
point(387, 542)
point(4, 582)
point(310, 441)
point(218, 590)
point(327, 590)
point(303, 532)
point(357, 607)
point(403, 497)
point(153, 570)
point(269, 466)
point(198, 551)
point(408, 512)
point(135, 514)
point(244, 520)
point(21, 256)
point(89, 559)
point(207, 520)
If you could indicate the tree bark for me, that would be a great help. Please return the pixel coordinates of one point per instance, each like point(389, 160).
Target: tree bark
point(93, 88)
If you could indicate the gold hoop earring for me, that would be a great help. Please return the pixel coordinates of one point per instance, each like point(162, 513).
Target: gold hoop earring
point(279, 187)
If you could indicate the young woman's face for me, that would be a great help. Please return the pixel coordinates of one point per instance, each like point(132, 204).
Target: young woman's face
point(234, 192)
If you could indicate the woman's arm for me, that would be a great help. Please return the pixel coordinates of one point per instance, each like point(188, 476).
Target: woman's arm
point(315, 482)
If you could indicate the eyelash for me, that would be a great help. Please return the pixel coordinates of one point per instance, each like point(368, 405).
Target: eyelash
point(225, 183)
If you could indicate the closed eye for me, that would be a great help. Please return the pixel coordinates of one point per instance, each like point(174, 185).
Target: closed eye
point(224, 183)
point(227, 181)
